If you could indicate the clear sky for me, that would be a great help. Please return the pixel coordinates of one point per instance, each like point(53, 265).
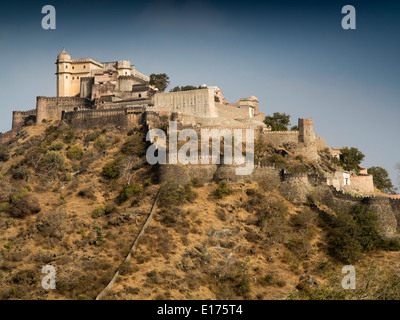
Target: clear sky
point(293, 55)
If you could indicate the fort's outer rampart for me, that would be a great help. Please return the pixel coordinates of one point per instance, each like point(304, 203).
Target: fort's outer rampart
point(197, 102)
point(52, 107)
point(19, 117)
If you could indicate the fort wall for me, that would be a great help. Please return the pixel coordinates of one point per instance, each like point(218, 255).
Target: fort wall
point(198, 102)
point(6, 137)
point(19, 117)
point(52, 107)
point(91, 119)
point(361, 184)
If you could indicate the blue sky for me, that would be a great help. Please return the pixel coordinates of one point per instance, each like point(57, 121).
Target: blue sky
point(293, 55)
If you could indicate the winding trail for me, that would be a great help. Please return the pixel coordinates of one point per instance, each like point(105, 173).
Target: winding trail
point(107, 289)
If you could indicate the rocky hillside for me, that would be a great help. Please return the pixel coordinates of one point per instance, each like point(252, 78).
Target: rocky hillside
point(78, 199)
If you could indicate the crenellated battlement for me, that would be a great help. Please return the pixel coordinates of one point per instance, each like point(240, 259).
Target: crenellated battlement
point(8, 136)
point(62, 99)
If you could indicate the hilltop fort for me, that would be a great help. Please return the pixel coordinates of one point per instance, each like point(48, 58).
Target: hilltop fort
point(92, 94)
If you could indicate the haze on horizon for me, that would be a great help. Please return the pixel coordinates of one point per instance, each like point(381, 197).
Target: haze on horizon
point(295, 57)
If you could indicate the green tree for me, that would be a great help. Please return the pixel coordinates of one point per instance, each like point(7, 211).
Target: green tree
point(350, 158)
point(160, 81)
point(278, 122)
point(186, 88)
point(382, 180)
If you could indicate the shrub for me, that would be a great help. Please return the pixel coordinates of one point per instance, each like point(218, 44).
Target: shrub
point(102, 210)
point(19, 172)
point(100, 143)
point(222, 189)
point(87, 193)
point(19, 194)
point(56, 146)
point(3, 207)
point(92, 136)
point(99, 235)
point(278, 160)
point(4, 154)
point(134, 146)
point(24, 206)
point(174, 195)
point(111, 169)
point(196, 183)
point(69, 134)
point(54, 158)
point(351, 234)
point(75, 152)
point(129, 191)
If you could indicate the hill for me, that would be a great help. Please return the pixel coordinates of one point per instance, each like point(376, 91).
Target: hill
point(77, 200)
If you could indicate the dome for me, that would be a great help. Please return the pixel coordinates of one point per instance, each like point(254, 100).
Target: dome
point(63, 55)
point(253, 98)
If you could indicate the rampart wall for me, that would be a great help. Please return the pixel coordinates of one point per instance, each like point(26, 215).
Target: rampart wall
point(6, 137)
point(19, 117)
point(199, 102)
point(123, 118)
point(52, 107)
point(361, 184)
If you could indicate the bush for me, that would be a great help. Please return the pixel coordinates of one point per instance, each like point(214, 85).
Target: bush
point(196, 183)
point(351, 234)
point(87, 193)
point(92, 136)
point(278, 160)
point(57, 146)
point(134, 146)
point(99, 235)
point(24, 206)
point(111, 169)
point(19, 194)
point(174, 195)
point(100, 143)
point(69, 134)
point(222, 189)
point(55, 158)
point(129, 191)
point(19, 172)
point(102, 210)
point(75, 152)
point(4, 154)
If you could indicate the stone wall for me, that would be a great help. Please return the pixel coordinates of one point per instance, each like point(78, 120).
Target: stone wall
point(198, 102)
point(123, 118)
point(52, 107)
point(8, 136)
point(19, 117)
point(279, 138)
point(233, 111)
point(361, 184)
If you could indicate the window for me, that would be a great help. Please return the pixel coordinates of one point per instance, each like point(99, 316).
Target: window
point(66, 77)
point(73, 78)
point(77, 77)
point(66, 66)
point(73, 67)
point(126, 73)
point(84, 67)
point(140, 95)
